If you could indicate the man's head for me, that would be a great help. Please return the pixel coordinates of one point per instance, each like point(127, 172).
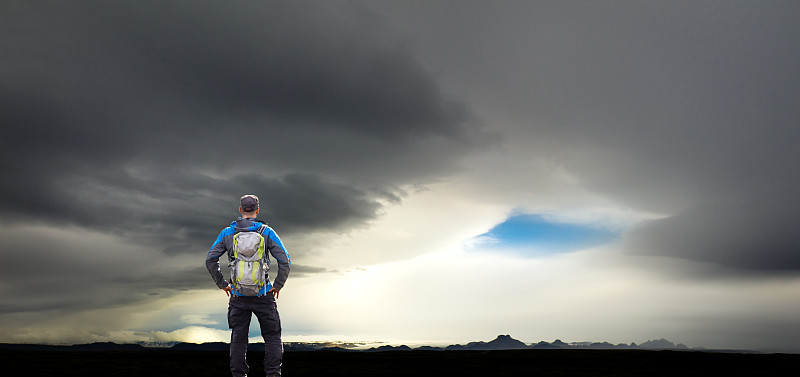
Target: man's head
point(248, 206)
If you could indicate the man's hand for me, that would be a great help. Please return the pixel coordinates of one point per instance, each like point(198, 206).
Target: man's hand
point(228, 290)
point(274, 292)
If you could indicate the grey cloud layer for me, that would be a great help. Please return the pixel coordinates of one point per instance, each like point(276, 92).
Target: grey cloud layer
point(690, 108)
point(208, 100)
point(145, 121)
point(682, 108)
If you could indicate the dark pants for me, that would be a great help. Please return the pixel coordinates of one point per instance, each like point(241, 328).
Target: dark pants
point(240, 310)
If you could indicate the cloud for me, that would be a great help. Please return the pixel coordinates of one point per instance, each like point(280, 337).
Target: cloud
point(197, 319)
point(674, 109)
point(211, 77)
point(323, 111)
point(55, 269)
point(746, 236)
point(191, 334)
point(380, 132)
point(600, 294)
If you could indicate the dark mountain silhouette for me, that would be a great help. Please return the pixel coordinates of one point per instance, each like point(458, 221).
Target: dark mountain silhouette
point(502, 342)
point(505, 342)
point(300, 347)
point(104, 346)
point(607, 345)
point(662, 344)
point(108, 346)
point(570, 361)
point(546, 345)
point(215, 346)
point(390, 348)
point(336, 348)
point(429, 348)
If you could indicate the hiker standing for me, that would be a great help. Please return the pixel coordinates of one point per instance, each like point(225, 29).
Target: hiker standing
point(245, 241)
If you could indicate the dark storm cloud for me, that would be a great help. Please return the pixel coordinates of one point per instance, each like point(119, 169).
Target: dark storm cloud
point(62, 268)
point(744, 236)
point(319, 67)
point(159, 114)
point(187, 218)
point(689, 110)
point(78, 272)
point(682, 108)
point(135, 127)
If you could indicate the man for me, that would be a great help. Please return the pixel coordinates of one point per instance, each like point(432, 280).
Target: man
point(263, 304)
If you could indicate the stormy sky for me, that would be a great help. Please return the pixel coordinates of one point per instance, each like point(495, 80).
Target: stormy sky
point(439, 171)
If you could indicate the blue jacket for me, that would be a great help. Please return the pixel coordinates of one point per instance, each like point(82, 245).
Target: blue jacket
point(224, 244)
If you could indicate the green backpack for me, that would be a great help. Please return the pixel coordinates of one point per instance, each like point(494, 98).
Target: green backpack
point(248, 267)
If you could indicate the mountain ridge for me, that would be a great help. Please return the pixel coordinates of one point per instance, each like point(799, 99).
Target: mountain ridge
point(501, 342)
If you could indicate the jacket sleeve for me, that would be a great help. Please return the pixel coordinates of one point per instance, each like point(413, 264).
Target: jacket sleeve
point(212, 260)
point(281, 255)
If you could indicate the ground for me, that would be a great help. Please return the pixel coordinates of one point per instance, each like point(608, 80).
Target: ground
point(153, 363)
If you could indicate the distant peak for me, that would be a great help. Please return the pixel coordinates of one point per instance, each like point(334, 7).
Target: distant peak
point(505, 341)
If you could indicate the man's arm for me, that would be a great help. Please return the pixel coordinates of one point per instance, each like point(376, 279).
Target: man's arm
point(212, 260)
point(281, 255)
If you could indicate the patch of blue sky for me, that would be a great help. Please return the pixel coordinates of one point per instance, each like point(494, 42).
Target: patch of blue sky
point(536, 235)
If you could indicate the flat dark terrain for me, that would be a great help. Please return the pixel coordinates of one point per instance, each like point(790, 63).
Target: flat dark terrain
point(151, 363)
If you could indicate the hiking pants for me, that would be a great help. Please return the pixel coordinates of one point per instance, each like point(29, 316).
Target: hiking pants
point(240, 310)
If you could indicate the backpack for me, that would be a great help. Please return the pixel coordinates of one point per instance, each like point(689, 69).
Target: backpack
point(248, 268)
